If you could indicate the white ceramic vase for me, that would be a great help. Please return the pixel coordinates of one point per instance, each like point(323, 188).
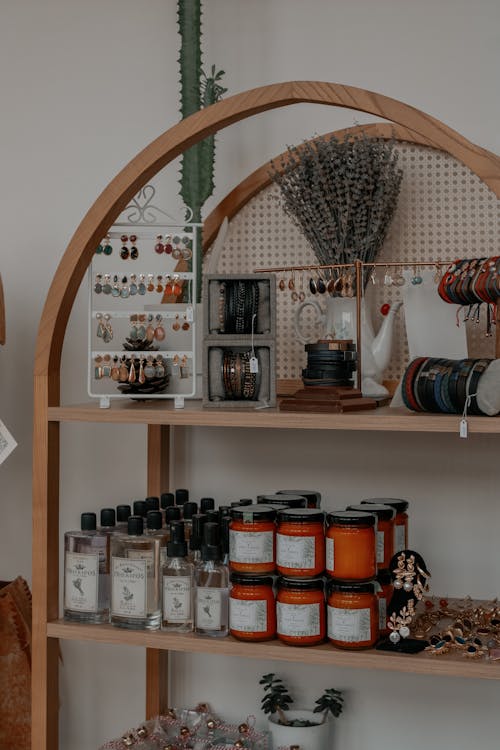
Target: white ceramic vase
point(308, 738)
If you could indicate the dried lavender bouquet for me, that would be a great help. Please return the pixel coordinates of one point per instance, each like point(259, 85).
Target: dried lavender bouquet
point(342, 194)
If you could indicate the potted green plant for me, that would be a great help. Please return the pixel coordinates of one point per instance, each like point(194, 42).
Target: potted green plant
point(307, 728)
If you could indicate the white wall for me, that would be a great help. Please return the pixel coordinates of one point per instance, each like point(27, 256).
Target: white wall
point(84, 86)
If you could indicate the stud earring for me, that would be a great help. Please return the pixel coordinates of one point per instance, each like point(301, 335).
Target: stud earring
point(159, 333)
point(134, 252)
point(159, 247)
point(176, 325)
point(124, 252)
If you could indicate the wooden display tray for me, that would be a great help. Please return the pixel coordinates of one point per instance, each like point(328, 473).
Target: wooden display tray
point(326, 399)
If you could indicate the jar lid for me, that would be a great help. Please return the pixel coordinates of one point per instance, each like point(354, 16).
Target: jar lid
point(351, 518)
point(251, 580)
point(304, 584)
point(288, 501)
point(301, 514)
point(356, 588)
point(384, 577)
point(249, 513)
point(383, 512)
point(310, 495)
point(400, 506)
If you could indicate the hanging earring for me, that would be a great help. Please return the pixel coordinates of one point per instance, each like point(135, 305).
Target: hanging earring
point(160, 367)
point(108, 330)
point(150, 331)
point(106, 366)
point(176, 250)
point(159, 330)
point(159, 247)
point(134, 252)
point(437, 274)
point(133, 285)
point(159, 286)
point(185, 325)
point(176, 325)
point(168, 285)
point(124, 252)
point(115, 289)
point(123, 370)
point(142, 377)
point(282, 282)
point(387, 277)
point(97, 367)
point(150, 287)
point(100, 248)
point(133, 335)
point(416, 279)
point(98, 284)
point(176, 288)
point(107, 246)
point(141, 329)
point(141, 288)
point(168, 245)
point(115, 370)
point(373, 276)
point(183, 367)
point(175, 365)
point(186, 251)
point(132, 377)
point(125, 290)
point(106, 287)
point(100, 327)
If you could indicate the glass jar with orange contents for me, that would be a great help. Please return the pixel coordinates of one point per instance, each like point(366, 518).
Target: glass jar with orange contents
point(252, 539)
point(300, 542)
point(252, 607)
point(352, 615)
point(400, 519)
point(300, 611)
point(385, 591)
point(385, 530)
point(350, 545)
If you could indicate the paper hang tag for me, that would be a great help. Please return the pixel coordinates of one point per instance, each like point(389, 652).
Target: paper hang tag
point(463, 428)
point(7, 442)
point(254, 365)
point(189, 314)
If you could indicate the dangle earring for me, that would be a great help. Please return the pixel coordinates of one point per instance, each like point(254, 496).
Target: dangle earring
point(97, 367)
point(125, 290)
point(115, 370)
point(184, 373)
point(108, 330)
point(176, 287)
point(373, 276)
point(176, 251)
point(159, 247)
point(302, 294)
point(132, 377)
point(133, 285)
point(175, 365)
point(123, 370)
point(149, 369)
point(160, 367)
point(150, 287)
point(115, 289)
point(168, 245)
point(282, 282)
point(185, 325)
point(141, 329)
point(159, 286)
point(106, 287)
point(141, 289)
point(142, 377)
point(387, 277)
point(150, 331)
point(159, 333)
point(437, 274)
point(176, 325)
point(107, 247)
point(134, 252)
point(133, 335)
point(416, 279)
point(124, 252)
point(168, 284)
point(100, 326)
point(98, 284)
point(186, 251)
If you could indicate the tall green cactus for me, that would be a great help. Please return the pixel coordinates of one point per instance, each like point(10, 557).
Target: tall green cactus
point(197, 90)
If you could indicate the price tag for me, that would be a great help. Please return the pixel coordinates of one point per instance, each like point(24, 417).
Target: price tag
point(254, 365)
point(463, 428)
point(189, 314)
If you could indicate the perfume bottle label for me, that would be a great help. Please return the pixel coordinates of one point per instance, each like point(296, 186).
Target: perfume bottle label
point(209, 608)
point(298, 619)
point(349, 625)
point(128, 587)
point(81, 585)
point(295, 551)
point(251, 547)
point(177, 593)
point(143, 554)
point(248, 616)
point(330, 554)
point(380, 546)
point(399, 538)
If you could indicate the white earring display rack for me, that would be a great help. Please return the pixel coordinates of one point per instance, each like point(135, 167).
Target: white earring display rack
point(141, 314)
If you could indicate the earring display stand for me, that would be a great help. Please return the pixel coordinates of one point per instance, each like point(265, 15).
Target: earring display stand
point(142, 327)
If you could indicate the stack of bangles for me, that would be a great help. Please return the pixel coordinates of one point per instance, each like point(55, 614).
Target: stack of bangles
point(239, 382)
point(470, 283)
point(238, 306)
point(443, 385)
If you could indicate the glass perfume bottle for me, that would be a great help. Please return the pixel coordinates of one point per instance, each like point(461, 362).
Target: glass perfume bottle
point(188, 511)
point(86, 573)
point(135, 589)
point(177, 584)
point(198, 521)
point(155, 528)
point(212, 587)
point(123, 513)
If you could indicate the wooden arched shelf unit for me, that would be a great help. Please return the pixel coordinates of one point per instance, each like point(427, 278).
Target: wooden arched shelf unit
point(2, 315)
point(48, 413)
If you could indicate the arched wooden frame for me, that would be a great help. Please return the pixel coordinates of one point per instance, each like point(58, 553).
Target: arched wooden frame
point(58, 306)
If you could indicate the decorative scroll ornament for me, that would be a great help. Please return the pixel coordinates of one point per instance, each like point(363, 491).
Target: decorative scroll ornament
point(142, 211)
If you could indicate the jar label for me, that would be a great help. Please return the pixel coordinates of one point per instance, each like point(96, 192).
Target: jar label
point(382, 614)
point(295, 551)
point(349, 625)
point(248, 616)
point(209, 608)
point(298, 620)
point(81, 582)
point(129, 587)
point(330, 553)
point(251, 546)
point(177, 594)
point(380, 546)
point(399, 538)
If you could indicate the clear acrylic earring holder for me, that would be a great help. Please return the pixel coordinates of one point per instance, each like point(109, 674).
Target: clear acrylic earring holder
point(113, 311)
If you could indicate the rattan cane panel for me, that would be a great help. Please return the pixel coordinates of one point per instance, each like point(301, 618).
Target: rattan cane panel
point(444, 212)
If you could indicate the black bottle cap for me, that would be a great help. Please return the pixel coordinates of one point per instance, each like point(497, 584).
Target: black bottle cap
point(400, 506)
point(181, 496)
point(167, 499)
point(210, 549)
point(152, 503)
point(88, 522)
point(304, 584)
point(206, 503)
point(140, 508)
point(224, 510)
point(196, 538)
point(288, 501)
point(135, 526)
point(235, 503)
point(154, 520)
point(224, 534)
point(357, 588)
point(189, 509)
point(383, 512)
point(351, 518)
point(172, 513)
point(108, 517)
point(251, 513)
point(122, 513)
point(301, 514)
point(313, 498)
point(212, 516)
point(246, 501)
point(177, 546)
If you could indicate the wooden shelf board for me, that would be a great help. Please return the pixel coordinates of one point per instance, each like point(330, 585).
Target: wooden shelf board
point(194, 415)
point(426, 664)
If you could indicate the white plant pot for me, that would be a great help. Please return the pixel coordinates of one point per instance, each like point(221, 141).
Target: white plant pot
point(308, 738)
